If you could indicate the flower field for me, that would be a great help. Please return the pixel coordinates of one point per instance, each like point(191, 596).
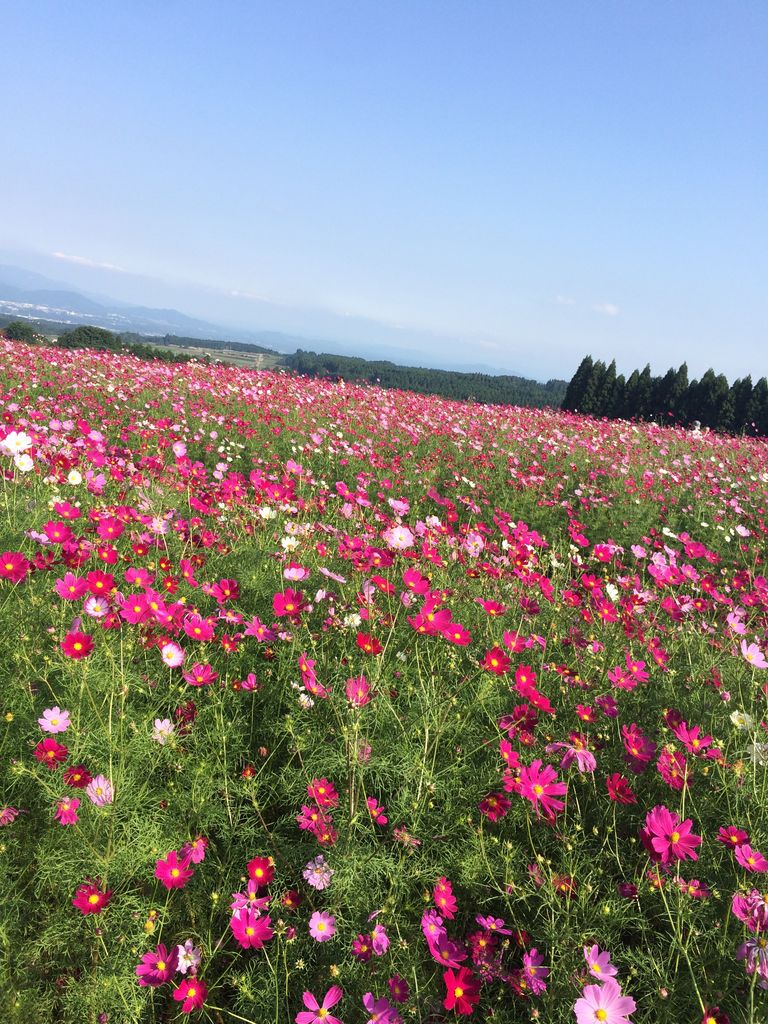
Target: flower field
point(326, 703)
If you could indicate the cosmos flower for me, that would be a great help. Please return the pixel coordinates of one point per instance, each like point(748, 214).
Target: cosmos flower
point(157, 966)
point(603, 1004)
point(317, 1013)
point(100, 791)
point(322, 926)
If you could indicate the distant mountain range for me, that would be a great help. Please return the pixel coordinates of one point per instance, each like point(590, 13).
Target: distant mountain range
point(32, 295)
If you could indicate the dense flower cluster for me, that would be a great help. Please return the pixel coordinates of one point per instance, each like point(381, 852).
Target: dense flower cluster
point(439, 693)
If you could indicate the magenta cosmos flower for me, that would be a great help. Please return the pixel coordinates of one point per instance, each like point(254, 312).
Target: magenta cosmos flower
point(66, 811)
point(172, 872)
point(603, 1004)
point(77, 645)
point(317, 1013)
point(322, 926)
point(191, 994)
point(54, 720)
point(157, 966)
point(667, 838)
point(250, 929)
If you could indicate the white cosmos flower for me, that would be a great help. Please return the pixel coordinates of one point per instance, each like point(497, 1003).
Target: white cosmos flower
point(742, 721)
point(16, 443)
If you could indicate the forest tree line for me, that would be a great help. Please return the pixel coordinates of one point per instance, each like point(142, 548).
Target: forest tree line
point(478, 387)
point(741, 407)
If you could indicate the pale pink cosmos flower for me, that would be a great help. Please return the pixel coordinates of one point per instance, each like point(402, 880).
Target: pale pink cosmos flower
point(172, 655)
point(399, 538)
point(100, 791)
point(54, 720)
point(753, 654)
point(604, 1004)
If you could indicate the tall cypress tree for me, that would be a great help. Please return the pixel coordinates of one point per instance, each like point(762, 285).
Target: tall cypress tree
point(578, 385)
point(741, 392)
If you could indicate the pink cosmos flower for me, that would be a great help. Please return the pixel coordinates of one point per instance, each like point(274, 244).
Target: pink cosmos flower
point(195, 850)
point(444, 898)
point(317, 1013)
point(66, 811)
point(750, 859)
point(323, 793)
point(445, 951)
point(54, 720)
point(535, 972)
point(399, 538)
point(585, 759)
point(666, 838)
point(380, 1011)
point(100, 791)
point(376, 811)
point(399, 989)
point(599, 963)
point(494, 806)
point(540, 787)
point(322, 926)
point(358, 691)
point(317, 873)
point(157, 966)
point(379, 940)
point(8, 815)
point(603, 1004)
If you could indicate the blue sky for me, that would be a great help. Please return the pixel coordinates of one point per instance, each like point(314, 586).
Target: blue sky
point(502, 182)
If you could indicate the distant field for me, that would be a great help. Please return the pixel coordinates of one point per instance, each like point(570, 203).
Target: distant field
point(248, 360)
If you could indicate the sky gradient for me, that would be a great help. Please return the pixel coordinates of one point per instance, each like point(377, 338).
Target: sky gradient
point(514, 183)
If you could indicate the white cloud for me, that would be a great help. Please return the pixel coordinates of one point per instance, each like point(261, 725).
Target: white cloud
point(607, 309)
point(565, 300)
point(83, 261)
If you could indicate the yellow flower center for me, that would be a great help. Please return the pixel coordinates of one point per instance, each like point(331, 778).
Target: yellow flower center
point(601, 1014)
point(458, 993)
point(675, 837)
point(160, 965)
point(538, 790)
point(250, 931)
point(174, 872)
point(93, 899)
